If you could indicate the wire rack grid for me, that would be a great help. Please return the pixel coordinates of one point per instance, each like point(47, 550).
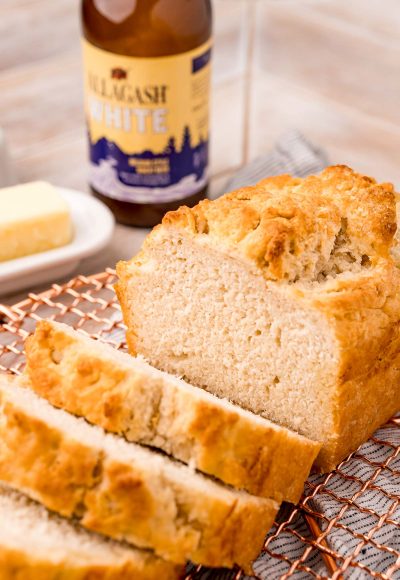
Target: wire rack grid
point(347, 524)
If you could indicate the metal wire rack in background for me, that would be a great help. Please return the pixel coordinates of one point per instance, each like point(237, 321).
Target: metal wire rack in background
point(315, 539)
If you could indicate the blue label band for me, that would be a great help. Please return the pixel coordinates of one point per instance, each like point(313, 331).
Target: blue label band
point(201, 61)
point(179, 170)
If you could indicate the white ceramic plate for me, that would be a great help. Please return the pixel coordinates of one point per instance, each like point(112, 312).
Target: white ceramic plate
point(93, 228)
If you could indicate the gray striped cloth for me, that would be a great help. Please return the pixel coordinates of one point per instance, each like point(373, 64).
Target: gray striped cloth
point(292, 154)
point(377, 495)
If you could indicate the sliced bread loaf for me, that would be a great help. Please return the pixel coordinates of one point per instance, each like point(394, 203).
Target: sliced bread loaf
point(38, 545)
point(127, 396)
point(125, 491)
point(282, 297)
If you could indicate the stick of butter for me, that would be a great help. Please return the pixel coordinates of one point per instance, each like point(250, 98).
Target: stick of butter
point(33, 218)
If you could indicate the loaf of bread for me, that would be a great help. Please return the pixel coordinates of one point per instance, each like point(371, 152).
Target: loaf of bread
point(127, 396)
point(125, 491)
point(38, 545)
point(283, 298)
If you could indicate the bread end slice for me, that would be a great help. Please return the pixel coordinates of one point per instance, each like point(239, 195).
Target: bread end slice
point(124, 491)
point(38, 545)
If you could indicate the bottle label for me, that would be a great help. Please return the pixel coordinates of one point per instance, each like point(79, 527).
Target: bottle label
point(148, 124)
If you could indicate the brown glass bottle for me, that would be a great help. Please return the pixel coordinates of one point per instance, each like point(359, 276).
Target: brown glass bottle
point(146, 30)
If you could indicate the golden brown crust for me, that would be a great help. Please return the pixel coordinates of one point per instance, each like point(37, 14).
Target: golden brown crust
point(363, 405)
point(289, 227)
point(270, 462)
point(125, 500)
point(88, 381)
point(123, 300)
point(30, 451)
point(364, 313)
point(25, 565)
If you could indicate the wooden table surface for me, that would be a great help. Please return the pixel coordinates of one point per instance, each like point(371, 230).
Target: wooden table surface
point(330, 68)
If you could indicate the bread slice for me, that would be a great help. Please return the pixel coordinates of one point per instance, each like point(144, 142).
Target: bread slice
point(283, 298)
point(38, 545)
point(122, 490)
point(127, 396)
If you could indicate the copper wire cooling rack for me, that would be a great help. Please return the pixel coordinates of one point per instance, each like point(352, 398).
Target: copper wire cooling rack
point(331, 503)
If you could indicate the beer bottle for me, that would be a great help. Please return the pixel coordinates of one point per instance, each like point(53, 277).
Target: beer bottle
point(147, 80)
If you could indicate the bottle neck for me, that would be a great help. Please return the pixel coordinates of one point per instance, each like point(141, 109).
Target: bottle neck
point(117, 11)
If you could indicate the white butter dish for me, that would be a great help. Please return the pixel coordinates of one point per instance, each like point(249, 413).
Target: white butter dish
point(93, 228)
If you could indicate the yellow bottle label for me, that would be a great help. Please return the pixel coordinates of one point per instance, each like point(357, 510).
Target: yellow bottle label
point(148, 123)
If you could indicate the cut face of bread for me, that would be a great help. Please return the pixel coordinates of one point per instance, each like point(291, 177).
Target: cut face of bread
point(38, 545)
point(129, 397)
point(122, 490)
point(283, 298)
